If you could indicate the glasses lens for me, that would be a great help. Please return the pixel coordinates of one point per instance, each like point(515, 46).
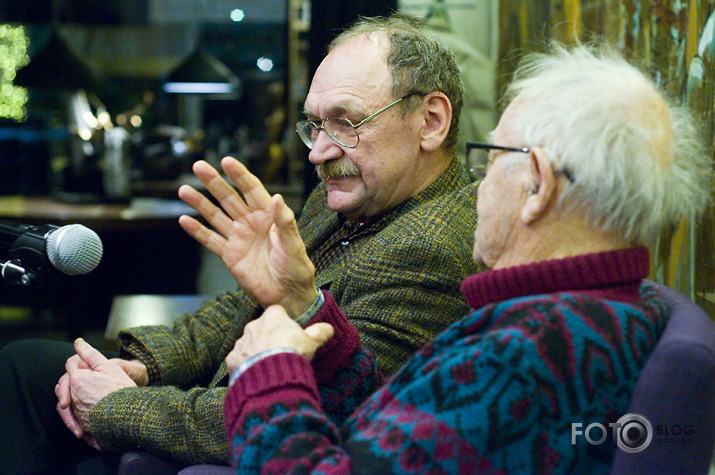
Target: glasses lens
point(341, 130)
point(477, 159)
point(307, 132)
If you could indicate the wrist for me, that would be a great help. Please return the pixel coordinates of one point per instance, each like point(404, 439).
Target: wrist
point(305, 301)
point(315, 307)
point(243, 367)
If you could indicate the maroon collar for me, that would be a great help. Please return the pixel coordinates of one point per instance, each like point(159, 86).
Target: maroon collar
point(615, 275)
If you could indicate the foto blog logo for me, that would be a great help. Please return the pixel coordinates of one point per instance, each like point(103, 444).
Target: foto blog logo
point(632, 433)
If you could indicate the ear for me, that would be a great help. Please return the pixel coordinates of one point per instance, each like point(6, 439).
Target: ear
point(541, 189)
point(437, 118)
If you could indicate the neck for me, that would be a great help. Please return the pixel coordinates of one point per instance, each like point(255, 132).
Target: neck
point(430, 166)
point(557, 238)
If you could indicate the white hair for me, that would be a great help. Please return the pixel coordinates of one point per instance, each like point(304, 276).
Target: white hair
point(636, 158)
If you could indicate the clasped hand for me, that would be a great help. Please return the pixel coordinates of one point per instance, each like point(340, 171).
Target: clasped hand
point(90, 377)
point(256, 236)
point(275, 329)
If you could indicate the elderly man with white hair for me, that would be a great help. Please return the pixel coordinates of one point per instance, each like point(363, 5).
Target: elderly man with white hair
point(589, 162)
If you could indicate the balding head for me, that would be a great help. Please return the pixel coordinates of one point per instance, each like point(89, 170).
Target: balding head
point(417, 60)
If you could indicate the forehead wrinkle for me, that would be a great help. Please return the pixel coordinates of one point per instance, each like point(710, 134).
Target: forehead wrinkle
point(336, 110)
point(339, 103)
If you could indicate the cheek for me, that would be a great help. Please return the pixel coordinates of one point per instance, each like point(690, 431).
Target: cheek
point(494, 212)
point(483, 195)
point(372, 172)
point(483, 219)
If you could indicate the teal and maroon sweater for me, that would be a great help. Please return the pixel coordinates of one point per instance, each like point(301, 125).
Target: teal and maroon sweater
point(550, 344)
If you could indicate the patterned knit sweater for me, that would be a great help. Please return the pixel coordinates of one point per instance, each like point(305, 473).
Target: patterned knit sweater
point(398, 284)
point(553, 343)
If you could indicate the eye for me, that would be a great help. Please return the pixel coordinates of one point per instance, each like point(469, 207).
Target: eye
point(341, 124)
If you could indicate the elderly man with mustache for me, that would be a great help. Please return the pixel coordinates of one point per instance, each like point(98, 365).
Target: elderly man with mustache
point(388, 232)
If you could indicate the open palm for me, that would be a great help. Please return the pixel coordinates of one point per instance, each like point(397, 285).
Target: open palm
point(255, 235)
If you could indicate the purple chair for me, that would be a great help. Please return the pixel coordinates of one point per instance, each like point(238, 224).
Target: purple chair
point(676, 392)
point(676, 388)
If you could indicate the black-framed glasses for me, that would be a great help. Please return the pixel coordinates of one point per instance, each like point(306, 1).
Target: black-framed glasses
point(340, 130)
point(478, 158)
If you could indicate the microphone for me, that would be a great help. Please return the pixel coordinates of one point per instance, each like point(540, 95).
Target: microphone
point(73, 249)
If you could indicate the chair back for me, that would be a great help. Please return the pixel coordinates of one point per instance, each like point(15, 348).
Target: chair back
point(676, 392)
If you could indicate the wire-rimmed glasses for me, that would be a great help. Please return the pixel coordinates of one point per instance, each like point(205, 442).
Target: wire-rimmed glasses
point(339, 129)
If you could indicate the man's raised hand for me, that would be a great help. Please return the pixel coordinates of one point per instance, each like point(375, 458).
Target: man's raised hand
point(255, 235)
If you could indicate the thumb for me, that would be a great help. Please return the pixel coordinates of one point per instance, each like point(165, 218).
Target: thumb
point(89, 354)
point(320, 332)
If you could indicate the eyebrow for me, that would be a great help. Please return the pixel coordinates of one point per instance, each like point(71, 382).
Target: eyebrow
point(337, 110)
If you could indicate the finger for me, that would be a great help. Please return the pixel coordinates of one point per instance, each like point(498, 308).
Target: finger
point(251, 187)
point(229, 199)
point(283, 216)
point(75, 362)
point(135, 369)
point(212, 213)
point(70, 421)
point(286, 226)
point(62, 391)
point(126, 365)
point(89, 354)
point(212, 241)
point(92, 443)
point(320, 332)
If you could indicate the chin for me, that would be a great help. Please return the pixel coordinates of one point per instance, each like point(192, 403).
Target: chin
point(344, 201)
point(342, 206)
point(479, 259)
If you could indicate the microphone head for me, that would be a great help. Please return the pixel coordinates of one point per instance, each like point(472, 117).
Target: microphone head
point(74, 249)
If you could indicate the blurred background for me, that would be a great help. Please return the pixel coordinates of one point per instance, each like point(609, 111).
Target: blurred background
point(104, 106)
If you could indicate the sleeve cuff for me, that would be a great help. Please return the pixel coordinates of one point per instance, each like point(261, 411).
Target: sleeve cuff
point(336, 353)
point(243, 367)
point(312, 311)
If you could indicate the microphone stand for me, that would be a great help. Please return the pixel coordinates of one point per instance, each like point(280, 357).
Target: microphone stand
point(14, 272)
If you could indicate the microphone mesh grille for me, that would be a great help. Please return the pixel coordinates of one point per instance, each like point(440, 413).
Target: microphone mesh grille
point(74, 249)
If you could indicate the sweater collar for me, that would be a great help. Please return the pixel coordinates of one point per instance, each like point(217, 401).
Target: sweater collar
point(615, 275)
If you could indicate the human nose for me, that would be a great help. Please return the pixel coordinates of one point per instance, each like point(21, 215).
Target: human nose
point(324, 149)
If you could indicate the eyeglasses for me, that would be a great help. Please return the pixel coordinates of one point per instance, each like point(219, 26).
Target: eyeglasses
point(478, 158)
point(340, 130)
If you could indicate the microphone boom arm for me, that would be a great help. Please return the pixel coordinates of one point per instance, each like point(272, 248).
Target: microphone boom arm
point(14, 272)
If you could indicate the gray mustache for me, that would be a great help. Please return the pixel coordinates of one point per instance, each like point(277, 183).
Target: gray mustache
point(337, 169)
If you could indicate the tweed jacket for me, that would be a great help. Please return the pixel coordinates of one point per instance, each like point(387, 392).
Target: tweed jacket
point(399, 286)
